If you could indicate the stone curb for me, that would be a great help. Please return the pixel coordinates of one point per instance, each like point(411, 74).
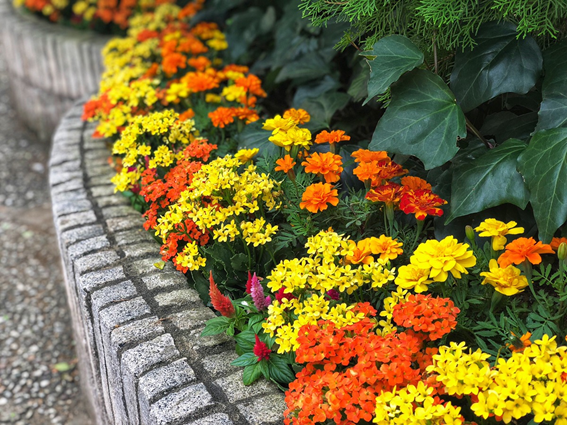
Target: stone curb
point(49, 67)
point(137, 328)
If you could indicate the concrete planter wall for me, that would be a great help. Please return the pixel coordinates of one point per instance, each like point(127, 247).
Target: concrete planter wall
point(137, 328)
point(49, 67)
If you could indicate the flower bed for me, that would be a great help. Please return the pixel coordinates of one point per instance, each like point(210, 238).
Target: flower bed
point(49, 67)
point(316, 252)
point(137, 327)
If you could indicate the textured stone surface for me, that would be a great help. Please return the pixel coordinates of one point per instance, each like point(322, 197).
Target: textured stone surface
point(48, 66)
point(139, 326)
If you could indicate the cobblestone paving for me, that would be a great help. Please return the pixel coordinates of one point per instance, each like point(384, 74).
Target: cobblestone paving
point(36, 340)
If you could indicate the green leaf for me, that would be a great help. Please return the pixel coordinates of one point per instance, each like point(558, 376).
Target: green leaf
point(389, 58)
point(246, 340)
point(357, 88)
point(216, 326)
point(247, 359)
point(314, 90)
point(251, 374)
point(254, 137)
point(308, 67)
point(500, 63)
point(423, 119)
point(324, 107)
point(488, 181)
point(239, 262)
point(505, 125)
point(553, 111)
point(280, 370)
point(544, 167)
point(63, 367)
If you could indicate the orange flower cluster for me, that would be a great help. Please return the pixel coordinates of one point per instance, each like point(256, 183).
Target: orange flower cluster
point(347, 368)
point(183, 60)
point(160, 192)
point(412, 196)
point(422, 313)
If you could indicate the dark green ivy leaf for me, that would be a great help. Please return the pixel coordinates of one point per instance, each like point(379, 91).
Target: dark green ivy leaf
point(544, 167)
point(500, 63)
point(553, 111)
point(489, 180)
point(423, 119)
point(389, 58)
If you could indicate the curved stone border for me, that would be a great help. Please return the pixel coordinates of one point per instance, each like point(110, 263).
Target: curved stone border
point(137, 328)
point(49, 67)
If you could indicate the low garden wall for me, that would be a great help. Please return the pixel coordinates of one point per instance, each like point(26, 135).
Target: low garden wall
point(49, 67)
point(137, 328)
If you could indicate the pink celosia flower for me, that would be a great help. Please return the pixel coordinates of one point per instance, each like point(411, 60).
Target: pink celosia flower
point(257, 293)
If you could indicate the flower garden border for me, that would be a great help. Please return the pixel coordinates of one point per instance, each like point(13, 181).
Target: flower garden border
point(49, 67)
point(136, 327)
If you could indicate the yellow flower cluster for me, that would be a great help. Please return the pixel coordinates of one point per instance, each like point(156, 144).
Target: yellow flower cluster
point(390, 302)
point(308, 312)
point(221, 199)
point(285, 131)
point(135, 144)
point(310, 278)
point(529, 382)
point(414, 405)
point(498, 230)
point(432, 261)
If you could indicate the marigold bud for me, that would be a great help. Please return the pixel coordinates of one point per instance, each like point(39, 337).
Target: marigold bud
point(469, 232)
point(562, 251)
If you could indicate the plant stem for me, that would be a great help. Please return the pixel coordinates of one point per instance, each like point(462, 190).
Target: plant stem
point(474, 131)
point(435, 52)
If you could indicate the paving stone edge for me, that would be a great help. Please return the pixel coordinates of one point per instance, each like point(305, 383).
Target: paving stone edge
point(136, 327)
point(49, 67)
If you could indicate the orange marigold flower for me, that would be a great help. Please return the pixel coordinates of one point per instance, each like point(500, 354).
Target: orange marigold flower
point(386, 247)
point(364, 155)
point(172, 62)
point(246, 114)
point(362, 253)
point(221, 303)
point(414, 183)
point(146, 34)
point(519, 344)
point(187, 115)
point(285, 164)
point(235, 68)
point(317, 196)
point(200, 63)
point(222, 116)
point(378, 171)
point(327, 164)
point(389, 193)
point(300, 116)
point(555, 242)
point(523, 249)
point(421, 203)
point(252, 84)
point(334, 136)
point(200, 81)
point(192, 45)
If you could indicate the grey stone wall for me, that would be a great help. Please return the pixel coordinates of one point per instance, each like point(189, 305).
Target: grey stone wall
point(137, 328)
point(49, 67)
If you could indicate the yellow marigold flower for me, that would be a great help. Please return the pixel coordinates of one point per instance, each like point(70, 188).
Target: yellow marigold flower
point(498, 231)
point(233, 93)
point(413, 277)
point(245, 155)
point(507, 281)
point(295, 136)
point(443, 257)
point(212, 98)
point(278, 123)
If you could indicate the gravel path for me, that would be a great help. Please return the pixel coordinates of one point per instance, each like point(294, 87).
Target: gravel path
point(38, 380)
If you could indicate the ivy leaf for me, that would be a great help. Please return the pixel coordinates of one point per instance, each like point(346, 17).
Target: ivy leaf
point(251, 373)
point(309, 67)
point(280, 370)
point(553, 111)
point(544, 167)
point(247, 359)
point(500, 63)
point(423, 119)
point(389, 58)
point(254, 137)
point(216, 326)
point(323, 108)
point(489, 180)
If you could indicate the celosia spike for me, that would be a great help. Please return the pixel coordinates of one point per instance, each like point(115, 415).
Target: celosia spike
point(221, 303)
point(249, 283)
point(257, 293)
